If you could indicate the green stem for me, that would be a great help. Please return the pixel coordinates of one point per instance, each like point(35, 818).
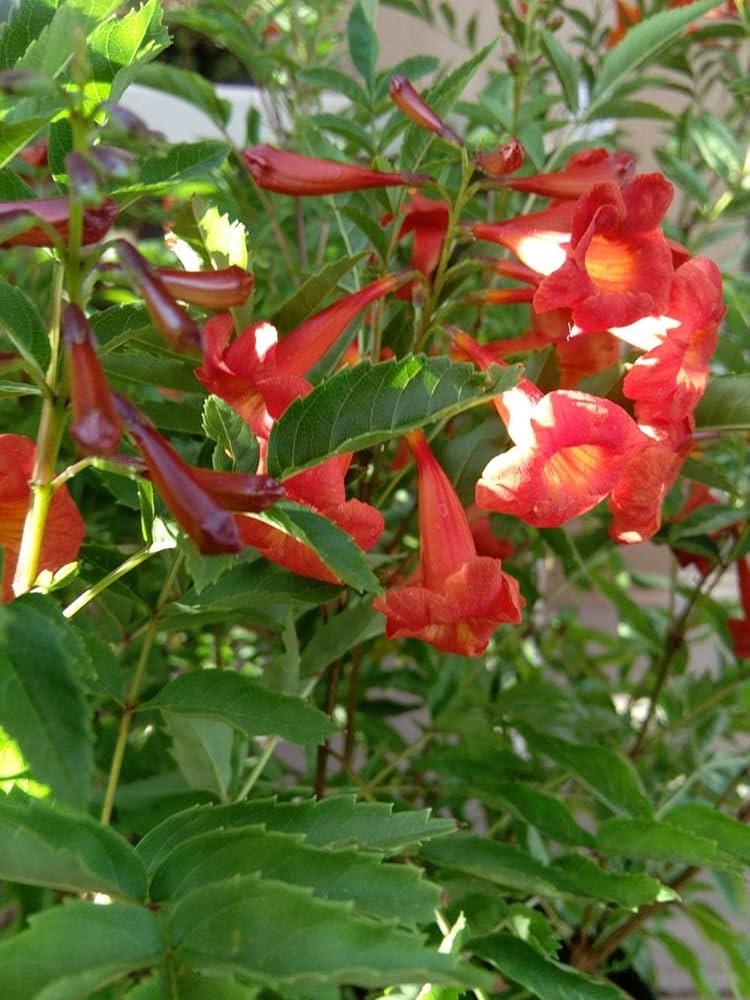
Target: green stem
point(106, 581)
point(131, 697)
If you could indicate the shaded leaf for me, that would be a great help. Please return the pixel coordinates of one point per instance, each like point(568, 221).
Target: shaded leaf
point(278, 933)
point(41, 702)
point(585, 878)
point(729, 833)
point(309, 296)
point(564, 66)
point(70, 951)
point(544, 978)
point(343, 631)
point(22, 325)
point(189, 86)
point(725, 403)
point(656, 841)
point(202, 749)
point(363, 44)
point(15, 135)
point(330, 78)
point(40, 845)
point(183, 165)
point(500, 864)
point(236, 446)
point(545, 812)
point(363, 406)
point(234, 698)
point(331, 822)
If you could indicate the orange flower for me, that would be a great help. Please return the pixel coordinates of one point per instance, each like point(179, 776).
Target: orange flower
point(458, 598)
point(428, 219)
point(291, 173)
point(582, 171)
point(637, 498)
point(628, 15)
point(64, 529)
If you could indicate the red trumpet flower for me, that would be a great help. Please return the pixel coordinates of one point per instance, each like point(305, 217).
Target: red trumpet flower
point(64, 530)
point(739, 628)
point(458, 598)
point(408, 100)
point(178, 328)
point(221, 289)
point(291, 173)
point(96, 427)
point(55, 212)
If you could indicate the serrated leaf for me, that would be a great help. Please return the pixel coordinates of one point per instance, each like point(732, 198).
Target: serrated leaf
point(149, 370)
point(51, 50)
point(545, 812)
point(331, 822)
point(115, 46)
point(22, 325)
point(118, 322)
point(26, 21)
point(725, 404)
point(187, 85)
point(610, 777)
point(202, 749)
point(370, 227)
point(70, 951)
point(564, 66)
point(363, 406)
point(392, 892)
point(729, 833)
point(40, 845)
point(247, 706)
point(542, 977)
point(329, 78)
point(278, 933)
point(336, 547)
point(192, 986)
point(313, 291)
point(236, 446)
point(184, 165)
point(363, 44)
point(642, 42)
point(41, 702)
point(657, 841)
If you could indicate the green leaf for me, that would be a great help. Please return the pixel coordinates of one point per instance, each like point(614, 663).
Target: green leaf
point(656, 841)
point(564, 67)
point(26, 22)
point(608, 776)
point(119, 44)
point(543, 978)
point(191, 986)
point(729, 833)
point(236, 446)
point(22, 325)
point(725, 404)
point(183, 167)
point(187, 85)
point(548, 814)
point(202, 749)
point(500, 864)
point(329, 78)
point(15, 135)
point(118, 322)
point(585, 878)
point(392, 892)
point(371, 227)
point(441, 97)
point(40, 845)
point(337, 821)
point(686, 956)
point(641, 44)
point(72, 950)
point(149, 370)
point(355, 624)
point(278, 933)
point(42, 706)
point(732, 944)
point(51, 50)
point(309, 296)
point(363, 406)
point(363, 44)
point(247, 706)
point(708, 519)
point(336, 547)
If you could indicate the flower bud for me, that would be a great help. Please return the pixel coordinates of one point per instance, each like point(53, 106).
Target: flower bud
point(96, 427)
point(178, 328)
point(55, 212)
point(291, 173)
point(405, 97)
point(222, 289)
point(504, 160)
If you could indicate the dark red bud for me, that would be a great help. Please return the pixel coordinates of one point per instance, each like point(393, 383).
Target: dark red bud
point(240, 492)
point(55, 213)
point(178, 328)
point(112, 160)
point(221, 289)
point(291, 173)
point(405, 97)
point(96, 427)
point(504, 160)
point(211, 528)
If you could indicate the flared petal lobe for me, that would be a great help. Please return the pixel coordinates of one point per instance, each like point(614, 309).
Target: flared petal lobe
point(592, 166)
point(64, 530)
